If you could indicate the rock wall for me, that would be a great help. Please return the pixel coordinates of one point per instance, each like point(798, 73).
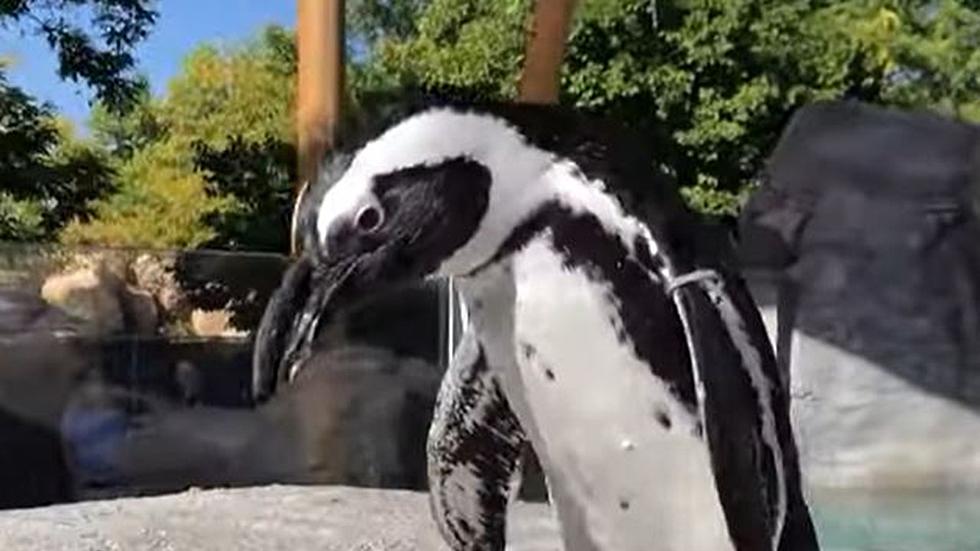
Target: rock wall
point(864, 247)
point(861, 425)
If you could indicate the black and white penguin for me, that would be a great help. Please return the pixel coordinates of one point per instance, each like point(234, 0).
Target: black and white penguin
point(603, 328)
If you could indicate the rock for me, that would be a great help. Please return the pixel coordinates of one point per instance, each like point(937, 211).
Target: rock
point(22, 312)
point(140, 310)
point(214, 323)
point(91, 294)
point(114, 262)
point(155, 274)
point(873, 294)
point(93, 288)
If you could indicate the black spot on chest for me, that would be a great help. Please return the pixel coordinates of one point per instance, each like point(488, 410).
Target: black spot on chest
point(528, 350)
point(530, 353)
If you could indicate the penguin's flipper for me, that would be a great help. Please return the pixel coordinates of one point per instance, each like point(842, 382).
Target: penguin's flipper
point(746, 417)
point(798, 532)
point(474, 453)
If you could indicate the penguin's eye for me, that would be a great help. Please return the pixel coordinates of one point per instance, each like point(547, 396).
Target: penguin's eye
point(369, 219)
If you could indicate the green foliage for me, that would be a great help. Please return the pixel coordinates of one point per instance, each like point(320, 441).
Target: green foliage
point(20, 220)
point(161, 202)
point(257, 177)
point(372, 20)
point(713, 81)
point(27, 131)
point(462, 44)
point(247, 92)
point(102, 57)
point(212, 162)
point(122, 134)
point(47, 176)
point(936, 59)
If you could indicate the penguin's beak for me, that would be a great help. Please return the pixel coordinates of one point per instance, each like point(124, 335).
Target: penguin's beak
point(289, 324)
point(399, 233)
point(313, 290)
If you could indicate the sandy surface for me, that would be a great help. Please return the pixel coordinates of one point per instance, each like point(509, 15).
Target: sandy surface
point(270, 518)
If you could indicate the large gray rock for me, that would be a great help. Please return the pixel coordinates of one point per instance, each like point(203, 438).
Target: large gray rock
point(869, 247)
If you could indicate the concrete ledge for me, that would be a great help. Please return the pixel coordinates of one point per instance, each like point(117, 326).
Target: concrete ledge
point(337, 518)
point(269, 518)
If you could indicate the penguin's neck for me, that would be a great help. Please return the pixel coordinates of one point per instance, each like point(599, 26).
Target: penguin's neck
point(562, 193)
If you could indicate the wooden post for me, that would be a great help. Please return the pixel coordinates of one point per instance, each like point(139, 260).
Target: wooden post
point(320, 86)
point(540, 83)
point(540, 80)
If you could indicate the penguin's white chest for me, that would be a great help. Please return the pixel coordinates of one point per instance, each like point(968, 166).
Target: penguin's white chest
point(624, 465)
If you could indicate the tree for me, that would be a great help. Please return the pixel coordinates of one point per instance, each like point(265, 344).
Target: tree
point(27, 131)
point(933, 54)
point(104, 60)
point(476, 45)
point(122, 134)
point(160, 202)
point(372, 20)
point(209, 164)
point(712, 81)
point(47, 176)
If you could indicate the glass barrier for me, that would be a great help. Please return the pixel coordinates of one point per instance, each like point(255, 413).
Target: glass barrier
point(127, 372)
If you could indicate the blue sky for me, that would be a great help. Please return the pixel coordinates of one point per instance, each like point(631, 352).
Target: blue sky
point(181, 25)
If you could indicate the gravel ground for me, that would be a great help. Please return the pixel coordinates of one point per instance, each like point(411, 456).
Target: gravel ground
point(270, 518)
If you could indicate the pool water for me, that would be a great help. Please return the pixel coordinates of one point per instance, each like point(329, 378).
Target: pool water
point(933, 521)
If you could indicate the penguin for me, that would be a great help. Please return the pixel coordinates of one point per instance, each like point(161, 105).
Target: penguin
point(607, 327)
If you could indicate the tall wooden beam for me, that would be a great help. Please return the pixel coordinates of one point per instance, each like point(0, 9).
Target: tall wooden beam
point(541, 83)
point(545, 48)
point(320, 86)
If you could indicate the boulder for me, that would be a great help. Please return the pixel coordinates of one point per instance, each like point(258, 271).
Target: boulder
point(213, 323)
point(94, 288)
point(90, 294)
point(154, 273)
point(865, 227)
point(140, 310)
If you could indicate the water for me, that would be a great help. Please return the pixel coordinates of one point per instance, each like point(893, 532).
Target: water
point(920, 521)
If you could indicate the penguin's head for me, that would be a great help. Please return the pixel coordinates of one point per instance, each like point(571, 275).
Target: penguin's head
point(437, 194)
